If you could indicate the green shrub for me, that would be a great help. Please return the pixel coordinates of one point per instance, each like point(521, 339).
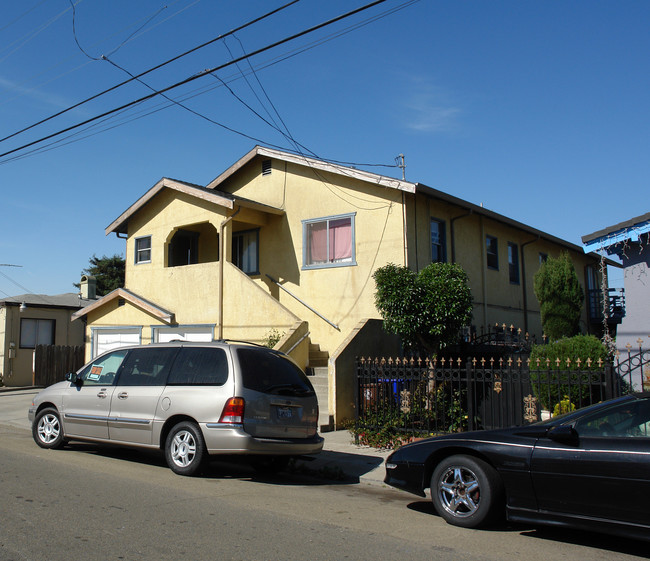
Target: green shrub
point(553, 381)
point(272, 338)
point(564, 406)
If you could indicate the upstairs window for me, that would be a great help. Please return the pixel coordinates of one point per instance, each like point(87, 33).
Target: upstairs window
point(245, 252)
point(543, 257)
point(492, 250)
point(513, 262)
point(143, 250)
point(438, 245)
point(328, 242)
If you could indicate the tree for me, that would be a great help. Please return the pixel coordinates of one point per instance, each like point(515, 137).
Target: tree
point(560, 297)
point(427, 309)
point(109, 272)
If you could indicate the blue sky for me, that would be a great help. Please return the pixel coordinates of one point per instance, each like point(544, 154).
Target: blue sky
point(537, 110)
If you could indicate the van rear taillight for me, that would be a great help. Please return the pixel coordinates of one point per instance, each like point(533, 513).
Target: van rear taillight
point(233, 411)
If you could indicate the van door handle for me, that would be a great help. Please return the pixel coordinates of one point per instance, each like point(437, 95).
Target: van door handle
point(122, 395)
point(102, 394)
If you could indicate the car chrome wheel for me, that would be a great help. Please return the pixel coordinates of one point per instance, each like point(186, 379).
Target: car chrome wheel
point(467, 491)
point(47, 429)
point(459, 491)
point(183, 448)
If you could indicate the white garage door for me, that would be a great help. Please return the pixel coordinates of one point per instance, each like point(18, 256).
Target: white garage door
point(109, 339)
point(200, 334)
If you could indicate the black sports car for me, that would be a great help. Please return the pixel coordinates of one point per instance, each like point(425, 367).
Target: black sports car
point(588, 469)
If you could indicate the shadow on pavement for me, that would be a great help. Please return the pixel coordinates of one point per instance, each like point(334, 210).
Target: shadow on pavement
point(326, 468)
point(602, 541)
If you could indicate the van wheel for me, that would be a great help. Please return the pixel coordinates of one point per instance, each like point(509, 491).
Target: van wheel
point(185, 449)
point(47, 429)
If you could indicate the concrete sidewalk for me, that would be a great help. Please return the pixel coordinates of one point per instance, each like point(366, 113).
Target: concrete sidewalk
point(340, 459)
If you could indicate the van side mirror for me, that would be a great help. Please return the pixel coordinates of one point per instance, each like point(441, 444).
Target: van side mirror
point(564, 434)
point(76, 379)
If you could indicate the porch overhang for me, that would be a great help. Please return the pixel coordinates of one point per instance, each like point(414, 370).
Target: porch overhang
point(163, 315)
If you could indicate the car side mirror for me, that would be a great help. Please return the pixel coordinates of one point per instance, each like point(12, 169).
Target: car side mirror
point(76, 379)
point(564, 434)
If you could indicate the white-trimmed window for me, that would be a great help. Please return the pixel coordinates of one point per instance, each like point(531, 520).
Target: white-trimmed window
point(328, 242)
point(36, 332)
point(143, 250)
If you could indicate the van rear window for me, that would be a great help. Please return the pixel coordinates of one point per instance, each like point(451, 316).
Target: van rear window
point(199, 366)
point(268, 372)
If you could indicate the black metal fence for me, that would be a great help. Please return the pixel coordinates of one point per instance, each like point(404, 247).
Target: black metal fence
point(419, 397)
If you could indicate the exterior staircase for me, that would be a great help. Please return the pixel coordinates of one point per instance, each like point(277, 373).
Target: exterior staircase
point(319, 378)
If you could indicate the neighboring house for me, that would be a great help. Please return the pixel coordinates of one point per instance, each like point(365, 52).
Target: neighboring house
point(36, 319)
point(289, 243)
point(630, 241)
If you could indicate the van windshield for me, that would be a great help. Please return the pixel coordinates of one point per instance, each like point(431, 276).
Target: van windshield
point(268, 372)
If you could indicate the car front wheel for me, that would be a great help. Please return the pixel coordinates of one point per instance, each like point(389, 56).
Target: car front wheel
point(185, 449)
point(466, 491)
point(47, 430)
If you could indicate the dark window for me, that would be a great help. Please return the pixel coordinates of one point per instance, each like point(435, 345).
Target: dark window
point(245, 251)
point(268, 372)
point(513, 262)
point(199, 366)
point(146, 367)
point(143, 250)
point(492, 252)
point(629, 419)
point(36, 332)
point(543, 258)
point(438, 245)
point(183, 248)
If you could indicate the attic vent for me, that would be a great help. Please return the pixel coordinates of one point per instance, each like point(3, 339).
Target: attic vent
point(266, 167)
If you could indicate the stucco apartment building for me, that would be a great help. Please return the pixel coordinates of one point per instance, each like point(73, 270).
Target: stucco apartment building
point(283, 242)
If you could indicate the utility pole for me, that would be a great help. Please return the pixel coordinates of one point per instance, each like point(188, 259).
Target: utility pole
point(401, 163)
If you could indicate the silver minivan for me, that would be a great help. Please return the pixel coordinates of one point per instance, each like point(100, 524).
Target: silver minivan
point(191, 400)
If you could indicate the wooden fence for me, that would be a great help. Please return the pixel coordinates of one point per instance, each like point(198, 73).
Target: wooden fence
point(53, 362)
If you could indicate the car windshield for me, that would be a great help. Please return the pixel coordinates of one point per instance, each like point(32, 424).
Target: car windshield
point(268, 372)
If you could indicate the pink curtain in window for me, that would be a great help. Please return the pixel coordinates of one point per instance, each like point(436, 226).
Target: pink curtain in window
point(340, 239)
point(318, 242)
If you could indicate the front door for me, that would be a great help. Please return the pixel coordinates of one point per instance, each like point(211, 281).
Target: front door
point(606, 474)
point(86, 404)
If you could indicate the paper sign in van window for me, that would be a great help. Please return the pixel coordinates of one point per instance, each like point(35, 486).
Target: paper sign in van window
point(95, 372)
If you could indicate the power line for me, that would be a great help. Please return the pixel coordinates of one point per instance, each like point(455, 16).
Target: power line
point(245, 25)
point(198, 75)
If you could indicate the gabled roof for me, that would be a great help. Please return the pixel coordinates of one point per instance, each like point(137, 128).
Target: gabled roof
point(226, 200)
point(319, 165)
point(628, 230)
point(69, 300)
point(122, 293)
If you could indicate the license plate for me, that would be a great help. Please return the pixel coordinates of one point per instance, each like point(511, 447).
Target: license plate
point(284, 413)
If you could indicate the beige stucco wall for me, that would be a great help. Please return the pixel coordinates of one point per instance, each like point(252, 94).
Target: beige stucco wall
point(496, 299)
point(344, 295)
point(17, 366)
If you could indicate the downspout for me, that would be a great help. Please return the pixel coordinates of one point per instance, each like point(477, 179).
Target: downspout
point(523, 281)
point(453, 234)
point(483, 271)
point(222, 258)
point(406, 258)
